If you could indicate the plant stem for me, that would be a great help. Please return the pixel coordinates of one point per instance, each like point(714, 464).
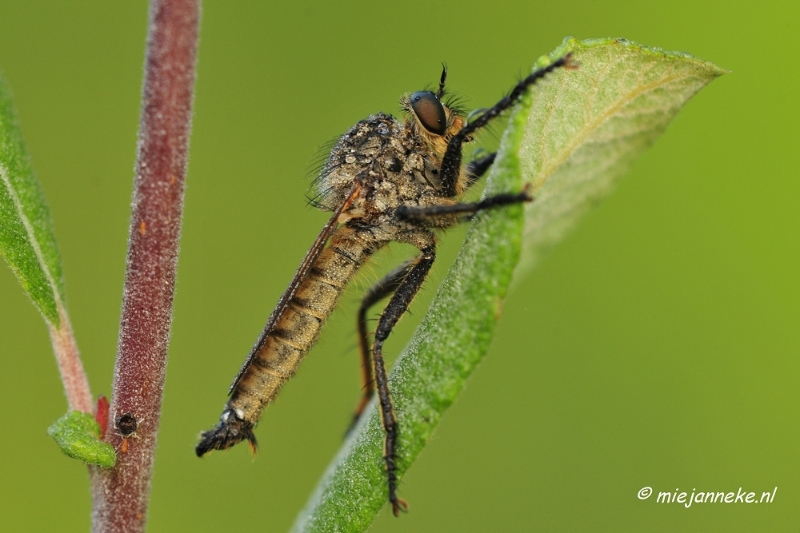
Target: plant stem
point(76, 385)
point(121, 494)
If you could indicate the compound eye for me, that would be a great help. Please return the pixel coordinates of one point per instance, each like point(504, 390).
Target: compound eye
point(429, 111)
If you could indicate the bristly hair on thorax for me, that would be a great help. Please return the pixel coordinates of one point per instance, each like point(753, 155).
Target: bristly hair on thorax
point(325, 167)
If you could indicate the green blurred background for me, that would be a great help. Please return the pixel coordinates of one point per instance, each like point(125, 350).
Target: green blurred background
point(657, 346)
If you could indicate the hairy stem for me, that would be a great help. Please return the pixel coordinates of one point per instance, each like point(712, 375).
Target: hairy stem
point(76, 384)
point(121, 494)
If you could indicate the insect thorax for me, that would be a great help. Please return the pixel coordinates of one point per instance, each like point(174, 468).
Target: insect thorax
point(393, 165)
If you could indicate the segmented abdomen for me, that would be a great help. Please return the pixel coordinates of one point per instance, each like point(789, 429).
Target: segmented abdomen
point(297, 329)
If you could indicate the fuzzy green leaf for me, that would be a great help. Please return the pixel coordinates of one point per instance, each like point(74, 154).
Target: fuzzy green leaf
point(586, 129)
point(78, 436)
point(27, 241)
point(570, 138)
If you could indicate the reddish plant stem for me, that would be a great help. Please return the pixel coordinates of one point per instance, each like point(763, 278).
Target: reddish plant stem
point(76, 385)
point(121, 495)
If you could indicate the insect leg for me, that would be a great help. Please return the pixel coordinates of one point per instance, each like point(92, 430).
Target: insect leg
point(451, 164)
point(376, 293)
point(398, 304)
point(477, 168)
point(467, 209)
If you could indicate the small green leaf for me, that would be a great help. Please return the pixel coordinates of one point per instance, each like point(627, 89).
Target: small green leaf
point(588, 125)
point(570, 137)
point(27, 241)
point(78, 435)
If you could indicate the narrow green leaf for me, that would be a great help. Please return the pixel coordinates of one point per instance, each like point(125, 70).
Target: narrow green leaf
point(78, 436)
point(27, 241)
point(570, 138)
point(587, 127)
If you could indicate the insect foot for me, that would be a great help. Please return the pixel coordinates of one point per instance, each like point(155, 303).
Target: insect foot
point(230, 430)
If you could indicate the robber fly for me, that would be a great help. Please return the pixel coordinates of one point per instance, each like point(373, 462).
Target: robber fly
point(385, 180)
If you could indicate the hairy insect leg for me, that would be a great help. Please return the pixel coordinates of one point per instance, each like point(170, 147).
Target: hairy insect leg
point(376, 293)
point(451, 163)
point(466, 209)
point(477, 168)
point(398, 304)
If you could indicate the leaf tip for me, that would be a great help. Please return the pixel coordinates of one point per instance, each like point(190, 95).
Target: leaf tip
point(77, 434)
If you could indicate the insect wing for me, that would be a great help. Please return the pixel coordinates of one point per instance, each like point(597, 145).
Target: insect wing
point(299, 276)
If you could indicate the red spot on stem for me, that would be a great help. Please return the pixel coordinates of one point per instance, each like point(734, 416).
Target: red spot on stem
point(101, 415)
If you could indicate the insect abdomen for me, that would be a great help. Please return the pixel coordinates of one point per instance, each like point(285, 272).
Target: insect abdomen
point(293, 335)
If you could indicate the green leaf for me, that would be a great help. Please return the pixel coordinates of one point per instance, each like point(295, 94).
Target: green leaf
point(78, 436)
point(587, 127)
point(27, 241)
point(567, 138)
